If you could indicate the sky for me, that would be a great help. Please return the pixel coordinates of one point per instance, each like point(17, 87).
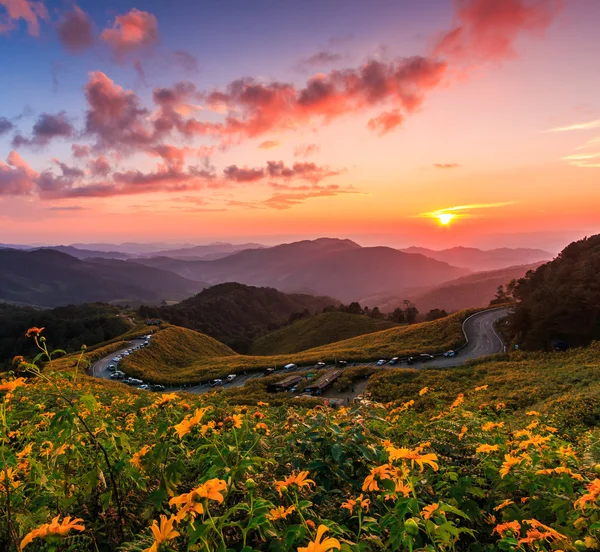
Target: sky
point(438, 123)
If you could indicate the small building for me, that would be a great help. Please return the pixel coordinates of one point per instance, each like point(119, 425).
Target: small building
point(323, 383)
point(285, 384)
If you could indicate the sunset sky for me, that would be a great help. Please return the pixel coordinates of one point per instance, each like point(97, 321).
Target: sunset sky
point(434, 123)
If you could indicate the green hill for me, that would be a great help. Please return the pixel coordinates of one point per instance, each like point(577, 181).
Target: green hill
point(212, 359)
point(315, 331)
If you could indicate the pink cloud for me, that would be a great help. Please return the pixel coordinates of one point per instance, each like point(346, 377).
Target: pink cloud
point(446, 165)
point(269, 144)
point(16, 176)
point(306, 150)
point(386, 122)
point(80, 151)
point(487, 29)
point(29, 11)
point(136, 30)
point(100, 166)
point(75, 30)
point(47, 128)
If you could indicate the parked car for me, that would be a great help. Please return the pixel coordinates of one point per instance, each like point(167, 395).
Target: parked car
point(394, 360)
point(231, 377)
point(381, 362)
point(116, 359)
point(157, 387)
point(342, 363)
point(117, 375)
point(144, 386)
point(424, 357)
point(290, 367)
point(133, 381)
point(216, 382)
point(450, 353)
point(320, 364)
point(111, 367)
point(269, 371)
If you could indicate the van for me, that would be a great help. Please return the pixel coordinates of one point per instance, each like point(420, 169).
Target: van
point(288, 367)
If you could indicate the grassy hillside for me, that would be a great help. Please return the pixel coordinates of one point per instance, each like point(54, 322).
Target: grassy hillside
point(194, 367)
point(431, 470)
point(315, 331)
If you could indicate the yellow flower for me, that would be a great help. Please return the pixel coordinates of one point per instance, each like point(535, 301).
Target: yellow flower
point(11, 385)
point(319, 545)
point(162, 533)
point(299, 479)
point(463, 432)
point(237, 421)
point(280, 513)
point(593, 490)
point(428, 511)
point(560, 470)
point(487, 448)
point(414, 456)
point(503, 504)
point(261, 427)
point(363, 503)
point(458, 401)
point(492, 425)
point(507, 465)
point(54, 528)
point(481, 388)
point(424, 391)
point(532, 413)
point(567, 451)
point(136, 458)
point(212, 490)
point(186, 425)
point(383, 472)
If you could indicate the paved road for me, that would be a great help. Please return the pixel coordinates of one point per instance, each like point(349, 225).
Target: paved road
point(482, 340)
point(100, 368)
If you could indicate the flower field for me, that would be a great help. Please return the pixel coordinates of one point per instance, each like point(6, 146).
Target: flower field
point(87, 465)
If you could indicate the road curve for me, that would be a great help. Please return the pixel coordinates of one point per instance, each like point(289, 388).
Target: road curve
point(480, 334)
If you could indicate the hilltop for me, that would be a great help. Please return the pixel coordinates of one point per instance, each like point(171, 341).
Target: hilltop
point(437, 336)
point(236, 314)
point(314, 331)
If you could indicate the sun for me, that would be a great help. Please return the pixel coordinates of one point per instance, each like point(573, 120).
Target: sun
point(445, 218)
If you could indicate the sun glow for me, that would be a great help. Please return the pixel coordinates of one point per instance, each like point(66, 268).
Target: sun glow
point(445, 218)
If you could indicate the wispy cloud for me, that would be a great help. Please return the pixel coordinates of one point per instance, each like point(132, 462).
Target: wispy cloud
point(465, 210)
point(590, 125)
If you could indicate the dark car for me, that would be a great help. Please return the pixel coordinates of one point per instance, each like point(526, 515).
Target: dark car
point(342, 363)
point(424, 357)
point(216, 382)
point(157, 387)
point(269, 371)
point(320, 364)
point(394, 360)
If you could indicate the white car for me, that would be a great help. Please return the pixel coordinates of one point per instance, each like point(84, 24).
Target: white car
point(144, 386)
point(231, 377)
point(216, 382)
point(381, 362)
point(450, 353)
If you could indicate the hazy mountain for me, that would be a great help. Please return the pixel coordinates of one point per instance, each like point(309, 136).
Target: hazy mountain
point(50, 278)
point(236, 314)
point(132, 248)
point(87, 253)
point(475, 290)
point(479, 260)
point(334, 267)
point(205, 252)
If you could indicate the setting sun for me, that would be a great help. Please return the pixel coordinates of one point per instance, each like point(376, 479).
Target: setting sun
point(446, 218)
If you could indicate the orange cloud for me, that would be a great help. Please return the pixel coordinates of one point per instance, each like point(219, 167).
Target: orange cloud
point(133, 31)
point(269, 144)
point(29, 11)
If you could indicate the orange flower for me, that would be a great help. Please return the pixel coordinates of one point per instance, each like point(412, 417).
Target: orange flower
point(186, 425)
point(503, 505)
point(463, 432)
point(319, 545)
point(503, 528)
point(492, 425)
point(136, 458)
point(54, 528)
point(508, 464)
point(424, 391)
point(163, 532)
point(34, 332)
point(189, 503)
point(11, 385)
point(560, 470)
point(237, 421)
point(481, 388)
point(262, 428)
point(487, 448)
point(593, 490)
point(414, 456)
point(428, 511)
point(458, 401)
point(383, 472)
point(280, 513)
point(363, 503)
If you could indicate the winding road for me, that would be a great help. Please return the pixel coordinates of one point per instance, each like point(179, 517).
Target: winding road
point(480, 335)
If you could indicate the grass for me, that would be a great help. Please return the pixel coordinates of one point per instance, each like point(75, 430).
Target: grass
point(172, 360)
point(316, 331)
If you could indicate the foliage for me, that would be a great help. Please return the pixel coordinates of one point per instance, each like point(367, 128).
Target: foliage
point(67, 327)
point(560, 300)
point(91, 465)
point(236, 314)
point(440, 335)
point(315, 331)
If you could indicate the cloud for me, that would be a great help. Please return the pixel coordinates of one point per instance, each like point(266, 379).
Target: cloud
point(319, 59)
point(115, 117)
point(80, 151)
point(584, 160)
point(67, 208)
point(5, 125)
point(75, 31)
point(306, 150)
point(486, 30)
point(589, 125)
point(278, 170)
point(446, 165)
point(100, 166)
point(464, 210)
point(296, 196)
point(186, 61)
point(16, 176)
point(136, 30)
point(269, 144)
point(386, 122)
point(47, 127)
point(238, 174)
point(29, 11)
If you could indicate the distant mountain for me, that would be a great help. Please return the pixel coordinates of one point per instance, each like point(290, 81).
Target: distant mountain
point(475, 290)
point(132, 248)
point(86, 253)
point(205, 252)
point(314, 331)
point(50, 278)
point(236, 314)
point(478, 260)
point(334, 267)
